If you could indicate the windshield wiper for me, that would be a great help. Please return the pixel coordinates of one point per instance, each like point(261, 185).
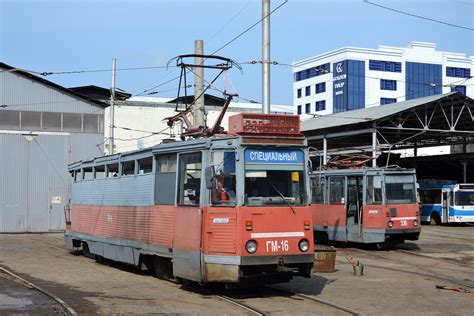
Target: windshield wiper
point(282, 196)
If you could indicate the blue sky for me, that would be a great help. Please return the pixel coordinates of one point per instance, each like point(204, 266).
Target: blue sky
point(83, 35)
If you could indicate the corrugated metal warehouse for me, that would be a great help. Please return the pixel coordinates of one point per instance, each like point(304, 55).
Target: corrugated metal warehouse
point(43, 128)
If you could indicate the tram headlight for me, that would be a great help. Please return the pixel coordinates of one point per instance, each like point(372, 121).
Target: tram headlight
point(390, 224)
point(415, 223)
point(304, 245)
point(251, 246)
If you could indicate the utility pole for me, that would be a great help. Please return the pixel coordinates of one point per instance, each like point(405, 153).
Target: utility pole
point(198, 110)
point(112, 109)
point(266, 56)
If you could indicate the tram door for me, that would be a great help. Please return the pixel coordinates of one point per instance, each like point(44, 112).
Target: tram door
point(446, 205)
point(354, 208)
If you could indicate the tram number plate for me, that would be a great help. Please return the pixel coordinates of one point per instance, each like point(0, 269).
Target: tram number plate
point(277, 245)
point(403, 222)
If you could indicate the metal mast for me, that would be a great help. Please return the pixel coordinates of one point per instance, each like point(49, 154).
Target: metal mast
point(198, 112)
point(112, 105)
point(266, 56)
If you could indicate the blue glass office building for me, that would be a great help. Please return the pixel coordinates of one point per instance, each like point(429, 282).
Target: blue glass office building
point(353, 78)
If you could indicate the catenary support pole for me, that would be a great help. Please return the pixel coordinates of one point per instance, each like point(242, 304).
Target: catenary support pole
point(325, 150)
point(374, 148)
point(112, 108)
point(198, 111)
point(266, 56)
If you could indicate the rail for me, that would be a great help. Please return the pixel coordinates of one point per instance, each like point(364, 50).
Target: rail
point(68, 310)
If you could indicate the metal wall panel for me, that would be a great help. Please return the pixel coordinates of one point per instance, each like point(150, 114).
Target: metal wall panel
point(85, 146)
point(48, 182)
point(30, 95)
point(34, 182)
point(13, 183)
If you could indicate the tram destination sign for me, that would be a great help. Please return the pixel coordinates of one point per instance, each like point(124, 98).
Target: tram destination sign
point(273, 156)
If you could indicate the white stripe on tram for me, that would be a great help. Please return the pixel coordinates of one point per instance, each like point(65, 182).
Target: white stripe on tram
point(402, 218)
point(272, 235)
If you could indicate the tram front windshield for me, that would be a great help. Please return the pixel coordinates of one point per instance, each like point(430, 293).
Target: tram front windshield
point(400, 189)
point(464, 198)
point(274, 187)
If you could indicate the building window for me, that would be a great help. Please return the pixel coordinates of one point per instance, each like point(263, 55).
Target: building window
point(461, 89)
point(388, 84)
point(458, 72)
point(298, 109)
point(320, 105)
point(422, 80)
point(307, 108)
point(298, 93)
point(312, 72)
point(382, 65)
point(321, 87)
point(384, 101)
point(307, 91)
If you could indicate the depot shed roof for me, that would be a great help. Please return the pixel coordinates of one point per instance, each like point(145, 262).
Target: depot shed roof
point(368, 114)
point(443, 119)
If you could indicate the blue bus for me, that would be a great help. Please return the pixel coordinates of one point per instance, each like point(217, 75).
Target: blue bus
point(447, 203)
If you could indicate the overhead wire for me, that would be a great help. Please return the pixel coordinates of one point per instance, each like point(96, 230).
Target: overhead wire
point(229, 21)
point(218, 49)
point(418, 16)
point(49, 73)
point(249, 28)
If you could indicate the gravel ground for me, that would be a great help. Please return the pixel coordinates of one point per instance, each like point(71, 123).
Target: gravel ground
point(391, 284)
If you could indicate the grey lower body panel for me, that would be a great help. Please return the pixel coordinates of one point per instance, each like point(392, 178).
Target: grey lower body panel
point(127, 251)
point(186, 264)
point(277, 259)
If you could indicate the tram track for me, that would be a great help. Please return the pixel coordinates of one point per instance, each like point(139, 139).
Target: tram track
point(444, 235)
point(67, 310)
point(244, 304)
point(433, 258)
point(228, 299)
point(322, 301)
point(429, 275)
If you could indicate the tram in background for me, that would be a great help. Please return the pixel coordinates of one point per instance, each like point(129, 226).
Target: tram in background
point(447, 203)
point(230, 208)
point(365, 205)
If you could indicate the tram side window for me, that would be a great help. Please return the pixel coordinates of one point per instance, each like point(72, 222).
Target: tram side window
point(430, 196)
point(317, 185)
point(189, 187)
point(374, 190)
point(165, 179)
point(336, 190)
point(99, 172)
point(112, 170)
point(224, 186)
point(145, 165)
point(128, 168)
point(87, 173)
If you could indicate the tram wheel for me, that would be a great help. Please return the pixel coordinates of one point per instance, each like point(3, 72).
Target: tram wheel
point(163, 268)
point(86, 252)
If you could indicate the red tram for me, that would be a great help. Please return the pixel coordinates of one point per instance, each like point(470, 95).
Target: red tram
point(227, 208)
point(367, 205)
